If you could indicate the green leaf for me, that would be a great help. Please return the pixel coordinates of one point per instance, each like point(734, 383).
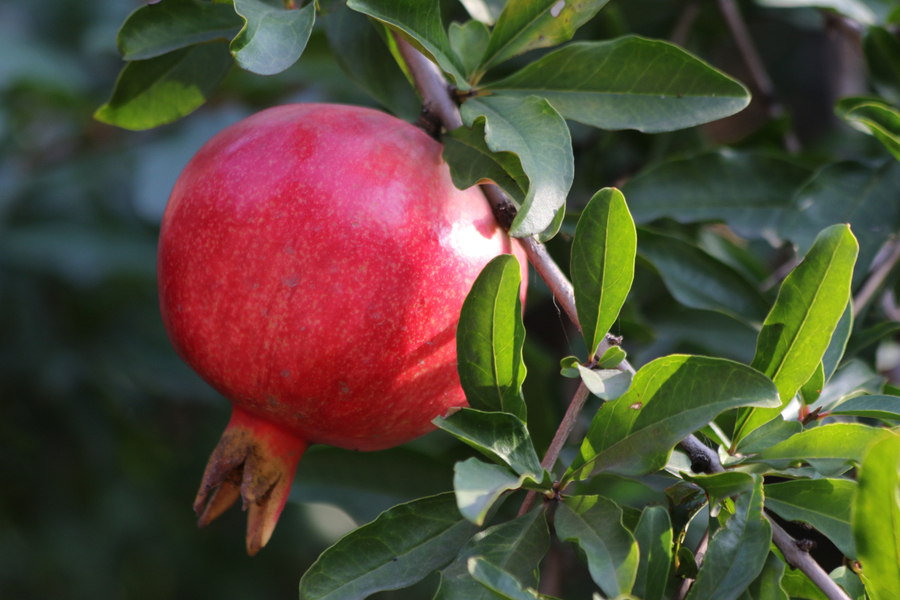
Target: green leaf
point(469, 42)
point(399, 548)
point(882, 51)
point(835, 444)
point(529, 24)
point(569, 367)
point(865, 338)
point(156, 29)
point(875, 117)
point(419, 21)
point(602, 264)
point(767, 585)
point(613, 357)
point(798, 586)
point(485, 11)
point(799, 327)
point(516, 547)
point(737, 551)
point(489, 339)
point(810, 391)
point(719, 486)
point(472, 162)
point(365, 58)
point(160, 90)
point(499, 581)
point(670, 398)
point(838, 344)
point(850, 581)
point(860, 194)
point(876, 519)
point(272, 38)
point(749, 191)
point(853, 9)
point(653, 535)
point(652, 86)
point(500, 436)
point(697, 280)
point(765, 436)
point(594, 523)
point(478, 486)
point(872, 407)
point(538, 135)
point(823, 503)
point(607, 384)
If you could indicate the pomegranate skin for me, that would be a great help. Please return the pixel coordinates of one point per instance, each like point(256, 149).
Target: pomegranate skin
point(313, 260)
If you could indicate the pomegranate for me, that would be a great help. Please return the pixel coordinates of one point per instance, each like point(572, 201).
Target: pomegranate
point(313, 260)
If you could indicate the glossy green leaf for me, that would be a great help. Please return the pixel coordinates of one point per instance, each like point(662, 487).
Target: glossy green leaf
point(854, 378)
point(719, 486)
point(670, 398)
point(860, 194)
point(737, 551)
point(569, 367)
point(809, 391)
point(489, 339)
point(538, 135)
point(799, 327)
point(365, 58)
point(516, 547)
point(853, 9)
point(273, 38)
point(157, 91)
point(749, 191)
point(472, 162)
point(850, 581)
point(871, 407)
point(529, 24)
point(156, 29)
point(838, 344)
point(485, 11)
point(823, 503)
point(478, 486)
point(653, 535)
point(697, 280)
point(500, 436)
point(602, 264)
point(837, 443)
point(765, 436)
point(419, 21)
point(652, 86)
point(876, 519)
point(882, 51)
point(399, 548)
point(797, 585)
point(607, 384)
point(767, 585)
point(499, 581)
point(875, 117)
point(469, 42)
point(594, 523)
point(613, 357)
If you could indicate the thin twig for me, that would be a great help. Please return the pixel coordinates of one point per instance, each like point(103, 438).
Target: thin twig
point(432, 90)
point(877, 278)
point(758, 73)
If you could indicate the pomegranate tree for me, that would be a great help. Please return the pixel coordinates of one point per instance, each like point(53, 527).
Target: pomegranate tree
point(313, 260)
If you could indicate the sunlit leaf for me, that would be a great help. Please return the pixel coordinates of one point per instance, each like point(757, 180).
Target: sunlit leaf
point(853, 9)
point(161, 27)
point(835, 444)
point(607, 384)
point(478, 486)
point(485, 11)
point(823, 503)
point(875, 117)
point(499, 581)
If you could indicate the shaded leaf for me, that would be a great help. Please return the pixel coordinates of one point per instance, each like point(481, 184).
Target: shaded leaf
point(882, 51)
point(719, 486)
point(628, 83)
point(613, 357)
point(838, 344)
point(160, 90)
point(670, 398)
point(823, 503)
point(875, 117)
point(872, 407)
point(399, 548)
point(809, 391)
point(478, 486)
point(489, 339)
point(800, 325)
point(876, 519)
point(538, 135)
point(765, 436)
point(607, 384)
point(472, 162)
point(653, 535)
point(749, 191)
point(602, 264)
point(698, 280)
point(594, 523)
point(155, 29)
point(569, 367)
point(529, 24)
point(767, 585)
point(516, 547)
point(837, 442)
point(469, 42)
point(273, 38)
point(737, 551)
point(850, 581)
point(419, 21)
point(499, 581)
point(865, 338)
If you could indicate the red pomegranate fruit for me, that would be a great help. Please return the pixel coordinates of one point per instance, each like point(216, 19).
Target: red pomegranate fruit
point(313, 260)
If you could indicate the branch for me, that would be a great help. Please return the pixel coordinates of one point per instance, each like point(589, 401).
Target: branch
point(436, 97)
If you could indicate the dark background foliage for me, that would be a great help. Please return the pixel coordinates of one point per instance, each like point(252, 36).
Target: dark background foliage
point(104, 433)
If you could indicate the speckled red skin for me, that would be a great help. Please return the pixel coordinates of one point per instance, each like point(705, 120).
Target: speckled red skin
point(313, 260)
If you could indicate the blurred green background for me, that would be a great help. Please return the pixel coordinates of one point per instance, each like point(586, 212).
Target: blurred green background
point(104, 433)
